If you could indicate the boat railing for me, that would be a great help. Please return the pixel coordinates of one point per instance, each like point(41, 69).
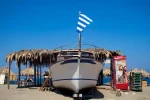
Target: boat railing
point(91, 46)
point(74, 56)
point(74, 52)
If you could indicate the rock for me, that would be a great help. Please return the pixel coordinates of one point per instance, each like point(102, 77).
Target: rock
point(118, 93)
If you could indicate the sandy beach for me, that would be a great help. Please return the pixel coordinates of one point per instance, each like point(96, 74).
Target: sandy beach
point(35, 94)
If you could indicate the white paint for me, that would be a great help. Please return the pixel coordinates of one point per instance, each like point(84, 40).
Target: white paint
point(84, 20)
point(81, 24)
point(86, 17)
point(80, 29)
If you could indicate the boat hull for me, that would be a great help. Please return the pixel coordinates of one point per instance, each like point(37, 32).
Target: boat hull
point(75, 74)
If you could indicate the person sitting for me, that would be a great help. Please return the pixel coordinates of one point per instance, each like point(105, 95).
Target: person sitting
point(29, 79)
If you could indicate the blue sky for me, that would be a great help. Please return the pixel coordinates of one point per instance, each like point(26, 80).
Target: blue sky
point(46, 24)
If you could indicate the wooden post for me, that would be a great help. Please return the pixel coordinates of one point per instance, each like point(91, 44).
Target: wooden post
point(111, 72)
point(19, 68)
point(49, 72)
point(34, 75)
point(8, 83)
point(26, 75)
point(101, 77)
point(40, 75)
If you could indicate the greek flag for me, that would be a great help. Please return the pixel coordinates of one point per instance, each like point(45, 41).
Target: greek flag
point(83, 22)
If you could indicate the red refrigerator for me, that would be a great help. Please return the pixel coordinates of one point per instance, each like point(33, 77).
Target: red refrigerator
point(119, 73)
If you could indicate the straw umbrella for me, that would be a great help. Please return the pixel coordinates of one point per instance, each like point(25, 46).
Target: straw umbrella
point(5, 71)
point(144, 73)
point(29, 71)
point(134, 70)
point(106, 72)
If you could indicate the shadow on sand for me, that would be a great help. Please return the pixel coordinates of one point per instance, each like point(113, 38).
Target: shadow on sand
point(29, 87)
point(96, 94)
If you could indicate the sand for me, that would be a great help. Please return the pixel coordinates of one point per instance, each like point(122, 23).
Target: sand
point(35, 94)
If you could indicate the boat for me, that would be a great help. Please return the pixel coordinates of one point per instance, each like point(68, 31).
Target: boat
point(75, 69)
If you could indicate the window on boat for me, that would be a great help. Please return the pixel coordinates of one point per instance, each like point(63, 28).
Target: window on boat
point(76, 61)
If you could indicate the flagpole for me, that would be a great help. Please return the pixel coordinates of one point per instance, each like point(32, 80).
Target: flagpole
point(79, 40)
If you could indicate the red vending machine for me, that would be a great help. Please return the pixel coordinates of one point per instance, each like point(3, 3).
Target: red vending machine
point(119, 73)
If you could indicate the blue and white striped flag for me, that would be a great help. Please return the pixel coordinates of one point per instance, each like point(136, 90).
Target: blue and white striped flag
point(83, 22)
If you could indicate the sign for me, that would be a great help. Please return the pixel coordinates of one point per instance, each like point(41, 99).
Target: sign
point(120, 57)
point(2, 78)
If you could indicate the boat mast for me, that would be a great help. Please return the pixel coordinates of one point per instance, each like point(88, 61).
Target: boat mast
point(79, 40)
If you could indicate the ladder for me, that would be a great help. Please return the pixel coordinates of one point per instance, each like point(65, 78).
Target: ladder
point(44, 84)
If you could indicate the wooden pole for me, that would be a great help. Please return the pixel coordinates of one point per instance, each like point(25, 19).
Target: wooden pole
point(111, 72)
point(19, 68)
point(79, 41)
point(8, 83)
point(34, 75)
point(101, 77)
point(49, 72)
point(40, 75)
point(26, 75)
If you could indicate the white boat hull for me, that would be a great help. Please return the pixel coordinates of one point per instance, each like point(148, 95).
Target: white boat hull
point(75, 74)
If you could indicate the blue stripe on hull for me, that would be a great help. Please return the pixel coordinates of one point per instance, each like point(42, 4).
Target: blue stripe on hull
point(75, 79)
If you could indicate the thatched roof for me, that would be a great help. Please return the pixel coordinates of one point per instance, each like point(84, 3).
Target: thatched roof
point(133, 70)
point(106, 71)
point(43, 57)
point(144, 73)
point(5, 70)
point(29, 71)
